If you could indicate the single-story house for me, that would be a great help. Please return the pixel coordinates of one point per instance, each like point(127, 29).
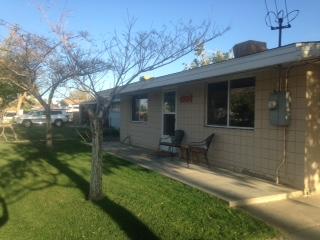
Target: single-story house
point(264, 109)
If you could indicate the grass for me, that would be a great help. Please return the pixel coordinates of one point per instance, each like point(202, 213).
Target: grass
point(36, 133)
point(43, 196)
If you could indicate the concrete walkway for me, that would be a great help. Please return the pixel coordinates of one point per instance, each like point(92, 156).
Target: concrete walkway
point(236, 189)
point(298, 218)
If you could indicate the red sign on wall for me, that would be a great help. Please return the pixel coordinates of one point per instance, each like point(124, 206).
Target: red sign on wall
point(186, 99)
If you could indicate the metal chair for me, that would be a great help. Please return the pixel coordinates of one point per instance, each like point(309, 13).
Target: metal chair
point(201, 147)
point(174, 141)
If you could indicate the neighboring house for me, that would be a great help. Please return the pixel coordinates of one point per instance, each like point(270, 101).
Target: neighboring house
point(71, 105)
point(72, 108)
point(246, 102)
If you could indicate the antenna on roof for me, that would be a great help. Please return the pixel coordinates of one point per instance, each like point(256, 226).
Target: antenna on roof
point(279, 18)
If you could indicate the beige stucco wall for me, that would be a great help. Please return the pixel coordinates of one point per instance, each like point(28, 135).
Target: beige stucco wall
point(257, 151)
point(145, 134)
point(312, 144)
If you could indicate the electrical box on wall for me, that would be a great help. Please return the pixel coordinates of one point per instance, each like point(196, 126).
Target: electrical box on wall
point(279, 108)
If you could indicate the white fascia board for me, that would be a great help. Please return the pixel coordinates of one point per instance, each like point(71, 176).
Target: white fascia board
point(291, 53)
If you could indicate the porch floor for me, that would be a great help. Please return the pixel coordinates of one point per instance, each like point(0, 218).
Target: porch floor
point(235, 188)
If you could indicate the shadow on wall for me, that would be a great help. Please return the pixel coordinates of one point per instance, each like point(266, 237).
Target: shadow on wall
point(312, 144)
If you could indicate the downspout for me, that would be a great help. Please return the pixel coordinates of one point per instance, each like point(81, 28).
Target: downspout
point(284, 154)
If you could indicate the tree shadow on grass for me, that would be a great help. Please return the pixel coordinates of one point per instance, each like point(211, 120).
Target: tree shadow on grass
point(128, 222)
point(38, 134)
point(21, 174)
point(5, 214)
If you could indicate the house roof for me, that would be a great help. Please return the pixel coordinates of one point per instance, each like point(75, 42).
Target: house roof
point(295, 52)
point(104, 93)
point(73, 101)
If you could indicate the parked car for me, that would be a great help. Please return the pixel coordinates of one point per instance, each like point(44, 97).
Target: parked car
point(58, 118)
point(9, 117)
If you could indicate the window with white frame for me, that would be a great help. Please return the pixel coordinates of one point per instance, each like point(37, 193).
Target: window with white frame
point(231, 103)
point(140, 108)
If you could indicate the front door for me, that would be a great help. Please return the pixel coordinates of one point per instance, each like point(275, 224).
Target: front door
point(169, 113)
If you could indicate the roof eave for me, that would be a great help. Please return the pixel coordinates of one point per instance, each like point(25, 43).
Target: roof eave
point(291, 53)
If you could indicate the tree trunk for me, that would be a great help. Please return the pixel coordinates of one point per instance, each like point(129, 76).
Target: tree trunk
point(21, 99)
point(96, 161)
point(49, 133)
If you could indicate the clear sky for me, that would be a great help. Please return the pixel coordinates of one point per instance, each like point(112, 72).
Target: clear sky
point(100, 18)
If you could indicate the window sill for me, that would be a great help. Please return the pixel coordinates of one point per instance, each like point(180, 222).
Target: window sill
point(139, 122)
point(230, 127)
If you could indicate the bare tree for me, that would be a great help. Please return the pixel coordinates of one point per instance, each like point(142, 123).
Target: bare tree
point(124, 58)
point(21, 98)
point(35, 65)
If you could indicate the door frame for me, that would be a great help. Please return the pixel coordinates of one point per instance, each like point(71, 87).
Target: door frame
point(162, 109)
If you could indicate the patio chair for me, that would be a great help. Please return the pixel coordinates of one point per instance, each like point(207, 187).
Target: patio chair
point(174, 141)
point(201, 147)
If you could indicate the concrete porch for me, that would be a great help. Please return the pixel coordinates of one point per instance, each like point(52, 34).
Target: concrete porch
point(235, 188)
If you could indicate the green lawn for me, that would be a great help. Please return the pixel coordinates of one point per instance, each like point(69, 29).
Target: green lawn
point(43, 196)
point(38, 133)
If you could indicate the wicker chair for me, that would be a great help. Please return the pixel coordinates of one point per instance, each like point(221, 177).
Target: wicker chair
point(202, 147)
point(175, 141)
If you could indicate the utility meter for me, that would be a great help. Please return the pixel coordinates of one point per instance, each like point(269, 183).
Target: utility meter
point(279, 108)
